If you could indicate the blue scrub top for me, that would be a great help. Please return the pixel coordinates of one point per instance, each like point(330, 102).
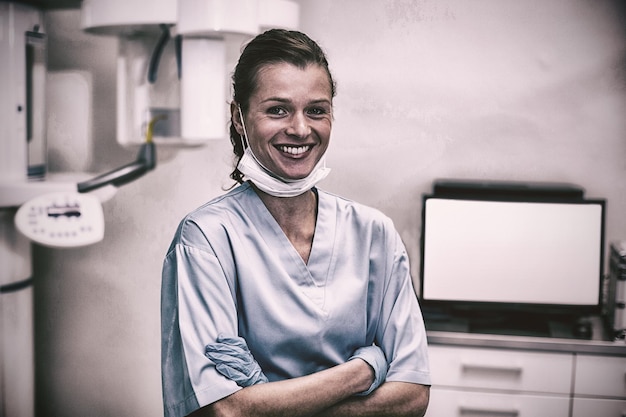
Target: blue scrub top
point(231, 270)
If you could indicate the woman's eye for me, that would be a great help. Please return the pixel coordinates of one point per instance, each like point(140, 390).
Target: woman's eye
point(276, 111)
point(317, 111)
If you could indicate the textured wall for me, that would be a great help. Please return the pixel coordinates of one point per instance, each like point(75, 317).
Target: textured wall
point(488, 89)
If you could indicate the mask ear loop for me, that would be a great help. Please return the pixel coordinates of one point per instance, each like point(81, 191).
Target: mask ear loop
point(244, 137)
point(247, 143)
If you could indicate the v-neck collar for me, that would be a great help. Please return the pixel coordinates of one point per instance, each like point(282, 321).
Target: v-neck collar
point(322, 255)
point(315, 272)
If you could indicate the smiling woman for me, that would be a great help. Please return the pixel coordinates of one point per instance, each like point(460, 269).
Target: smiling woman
point(289, 119)
point(279, 298)
point(274, 74)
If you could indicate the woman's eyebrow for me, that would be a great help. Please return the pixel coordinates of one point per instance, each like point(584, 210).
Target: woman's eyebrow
point(275, 100)
point(321, 100)
point(286, 100)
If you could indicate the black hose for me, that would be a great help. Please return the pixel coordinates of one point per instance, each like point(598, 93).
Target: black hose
point(155, 59)
point(178, 43)
point(16, 286)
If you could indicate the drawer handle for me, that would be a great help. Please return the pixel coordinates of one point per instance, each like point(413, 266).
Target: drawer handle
point(487, 412)
point(516, 370)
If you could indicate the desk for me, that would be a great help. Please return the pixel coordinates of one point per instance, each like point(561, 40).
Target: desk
point(522, 376)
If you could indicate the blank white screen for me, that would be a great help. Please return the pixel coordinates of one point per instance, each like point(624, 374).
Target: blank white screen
point(517, 252)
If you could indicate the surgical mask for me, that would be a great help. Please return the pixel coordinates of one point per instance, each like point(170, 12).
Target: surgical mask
point(271, 183)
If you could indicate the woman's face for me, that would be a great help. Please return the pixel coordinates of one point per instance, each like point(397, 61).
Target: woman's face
point(289, 118)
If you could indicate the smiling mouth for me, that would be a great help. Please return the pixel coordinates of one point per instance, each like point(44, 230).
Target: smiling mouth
point(294, 150)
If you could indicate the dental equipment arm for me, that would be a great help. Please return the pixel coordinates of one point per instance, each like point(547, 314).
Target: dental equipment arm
point(146, 161)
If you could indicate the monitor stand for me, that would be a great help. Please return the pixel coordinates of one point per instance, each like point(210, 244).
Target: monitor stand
point(515, 324)
point(518, 325)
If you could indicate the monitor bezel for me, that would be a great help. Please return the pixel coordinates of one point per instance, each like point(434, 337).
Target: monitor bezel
point(478, 307)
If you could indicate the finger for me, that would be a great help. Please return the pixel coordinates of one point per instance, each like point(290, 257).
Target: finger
point(239, 342)
point(231, 373)
point(221, 357)
point(241, 361)
point(258, 377)
point(226, 349)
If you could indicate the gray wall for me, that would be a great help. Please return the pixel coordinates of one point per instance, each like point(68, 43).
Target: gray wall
point(487, 89)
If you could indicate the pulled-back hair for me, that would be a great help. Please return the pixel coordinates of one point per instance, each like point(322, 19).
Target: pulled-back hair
point(271, 47)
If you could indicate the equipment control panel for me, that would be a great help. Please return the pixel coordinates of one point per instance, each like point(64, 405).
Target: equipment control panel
point(62, 220)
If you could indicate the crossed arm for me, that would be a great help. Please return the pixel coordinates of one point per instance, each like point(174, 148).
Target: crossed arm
point(325, 394)
point(333, 392)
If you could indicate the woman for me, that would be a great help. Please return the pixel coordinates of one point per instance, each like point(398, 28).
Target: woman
point(280, 299)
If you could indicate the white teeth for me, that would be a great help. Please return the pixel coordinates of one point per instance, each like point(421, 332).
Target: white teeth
point(294, 150)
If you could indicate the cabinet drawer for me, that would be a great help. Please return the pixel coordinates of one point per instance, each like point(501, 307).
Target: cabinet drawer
point(501, 369)
point(458, 403)
point(600, 375)
point(586, 407)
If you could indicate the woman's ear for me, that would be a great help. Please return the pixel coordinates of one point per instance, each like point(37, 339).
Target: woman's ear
point(235, 116)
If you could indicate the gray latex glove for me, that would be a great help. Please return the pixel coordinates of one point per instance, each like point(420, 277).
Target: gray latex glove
point(233, 359)
point(375, 358)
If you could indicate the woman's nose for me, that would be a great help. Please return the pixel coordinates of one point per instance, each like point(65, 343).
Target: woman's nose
point(299, 126)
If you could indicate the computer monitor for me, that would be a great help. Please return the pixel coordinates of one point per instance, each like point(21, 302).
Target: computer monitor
point(503, 253)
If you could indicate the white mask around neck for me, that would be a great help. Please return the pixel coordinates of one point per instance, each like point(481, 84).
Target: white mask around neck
point(273, 184)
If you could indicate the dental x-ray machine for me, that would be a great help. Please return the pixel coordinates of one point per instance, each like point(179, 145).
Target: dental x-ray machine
point(171, 91)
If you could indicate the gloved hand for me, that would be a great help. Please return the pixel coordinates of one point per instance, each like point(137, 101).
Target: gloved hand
point(233, 359)
point(375, 358)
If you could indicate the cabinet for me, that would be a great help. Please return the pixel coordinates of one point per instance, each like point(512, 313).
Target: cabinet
point(599, 386)
point(446, 402)
point(600, 376)
point(481, 382)
point(500, 383)
point(591, 407)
